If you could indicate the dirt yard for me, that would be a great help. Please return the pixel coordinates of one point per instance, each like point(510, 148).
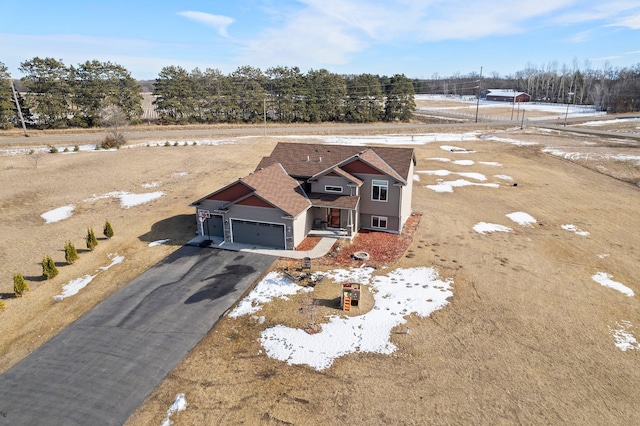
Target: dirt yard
point(527, 336)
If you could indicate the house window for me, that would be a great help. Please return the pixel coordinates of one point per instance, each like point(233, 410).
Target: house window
point(379, 189)
point(379, 222)
point(331, 188)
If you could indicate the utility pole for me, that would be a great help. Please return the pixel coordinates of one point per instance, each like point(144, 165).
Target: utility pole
point(264, 111)
point(15, 98)
point(479, 87)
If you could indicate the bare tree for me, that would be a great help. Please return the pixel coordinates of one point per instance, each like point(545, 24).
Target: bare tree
point(115, 121)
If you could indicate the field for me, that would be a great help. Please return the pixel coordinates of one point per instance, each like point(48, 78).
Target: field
point(531, 334)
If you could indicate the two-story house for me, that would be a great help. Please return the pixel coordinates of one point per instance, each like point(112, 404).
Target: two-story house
point(304, 188)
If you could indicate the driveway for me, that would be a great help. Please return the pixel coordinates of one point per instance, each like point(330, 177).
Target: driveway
point(102, 367)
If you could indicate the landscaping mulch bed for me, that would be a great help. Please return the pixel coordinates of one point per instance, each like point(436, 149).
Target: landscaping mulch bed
point(383, 248)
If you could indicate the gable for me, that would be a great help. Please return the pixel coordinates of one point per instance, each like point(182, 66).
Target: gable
point(253, 201)
point(358, 166)
point(232, 193)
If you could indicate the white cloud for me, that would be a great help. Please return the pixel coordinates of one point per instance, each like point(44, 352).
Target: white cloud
point(610, 11)
point(333, 31)
point(632, 22)
point(218, 22)
point(580, 37)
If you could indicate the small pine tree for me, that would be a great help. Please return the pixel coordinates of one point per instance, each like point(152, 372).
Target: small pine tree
point(49, 269)
point(70, 253)
point(108, 230)
point(92, 241)
point(19, 285)
point(2, 305)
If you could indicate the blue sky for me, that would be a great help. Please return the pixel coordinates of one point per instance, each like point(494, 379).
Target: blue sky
point(418, 38)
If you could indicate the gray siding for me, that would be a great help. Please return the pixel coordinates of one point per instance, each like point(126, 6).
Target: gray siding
point(389, 209)
point(323, 181)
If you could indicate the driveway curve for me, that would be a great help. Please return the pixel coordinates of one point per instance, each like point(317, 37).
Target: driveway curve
point(102, 367)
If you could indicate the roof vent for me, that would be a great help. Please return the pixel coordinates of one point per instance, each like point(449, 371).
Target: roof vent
point(320, 160)
point(307, 158)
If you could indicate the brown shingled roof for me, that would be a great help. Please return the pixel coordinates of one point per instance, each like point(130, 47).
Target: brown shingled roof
point(277, 188)
point(319, 199)
point(337, 170)
point(371, 157)
point(306, 160)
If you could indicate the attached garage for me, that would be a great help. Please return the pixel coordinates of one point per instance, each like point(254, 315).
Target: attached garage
point(214, 226)
point(258, 233)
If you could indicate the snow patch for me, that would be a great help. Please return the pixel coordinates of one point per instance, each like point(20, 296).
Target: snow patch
point(464, 162)
point(605, 122)
point(522, 218)
point(158, 242)
point(503, 177)
point(575, 229)
point(58, 214)
point(400, 293)
point(484, 227)
point(624, 339)
point(127, 199)
point(179, 404)
point(447, 186)
point(456, 149)
point(605, 280)
point(470, 175)
point(74, 286)
point(272, 286)
point(153, 184)
point(508, 140)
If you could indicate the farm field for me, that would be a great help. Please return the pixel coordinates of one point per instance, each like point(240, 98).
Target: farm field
point(530, 234)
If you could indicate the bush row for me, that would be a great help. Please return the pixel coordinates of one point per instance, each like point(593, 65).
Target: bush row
point(49, 269)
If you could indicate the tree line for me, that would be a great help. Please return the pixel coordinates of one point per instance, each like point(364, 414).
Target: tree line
point(614, 90)
point(56, 95)
point(280, 94)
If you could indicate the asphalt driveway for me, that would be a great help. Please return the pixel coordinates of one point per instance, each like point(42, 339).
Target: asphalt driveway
point(101, 368)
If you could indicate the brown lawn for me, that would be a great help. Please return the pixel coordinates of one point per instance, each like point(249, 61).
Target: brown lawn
point(526, 337)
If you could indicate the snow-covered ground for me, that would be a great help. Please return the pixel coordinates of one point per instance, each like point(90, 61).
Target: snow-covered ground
point(604, 279)
point(75, 285)
point(485, 227)
point(470, 102)
point(522, 218)
point(574, 229)
point(272, 286)
point(598, 123)
point(58, 214)
point(400, 293)
point(577, 155)
point(624, 339)
point(127, 199)
point(179, 404)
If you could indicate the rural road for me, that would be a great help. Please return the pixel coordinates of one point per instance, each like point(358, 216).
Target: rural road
point(213, 132)
point(140, 133)
point(102, 367)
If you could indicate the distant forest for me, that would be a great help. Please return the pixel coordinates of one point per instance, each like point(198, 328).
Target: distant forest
point(54, 95)
point(614, 90)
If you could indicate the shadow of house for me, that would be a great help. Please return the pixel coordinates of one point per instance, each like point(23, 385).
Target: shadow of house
point(177, 229)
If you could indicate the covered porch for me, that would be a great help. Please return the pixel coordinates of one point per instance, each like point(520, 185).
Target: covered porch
point(334, 215)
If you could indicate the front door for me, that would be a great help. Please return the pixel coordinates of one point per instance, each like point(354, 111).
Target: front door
point(334, 218)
